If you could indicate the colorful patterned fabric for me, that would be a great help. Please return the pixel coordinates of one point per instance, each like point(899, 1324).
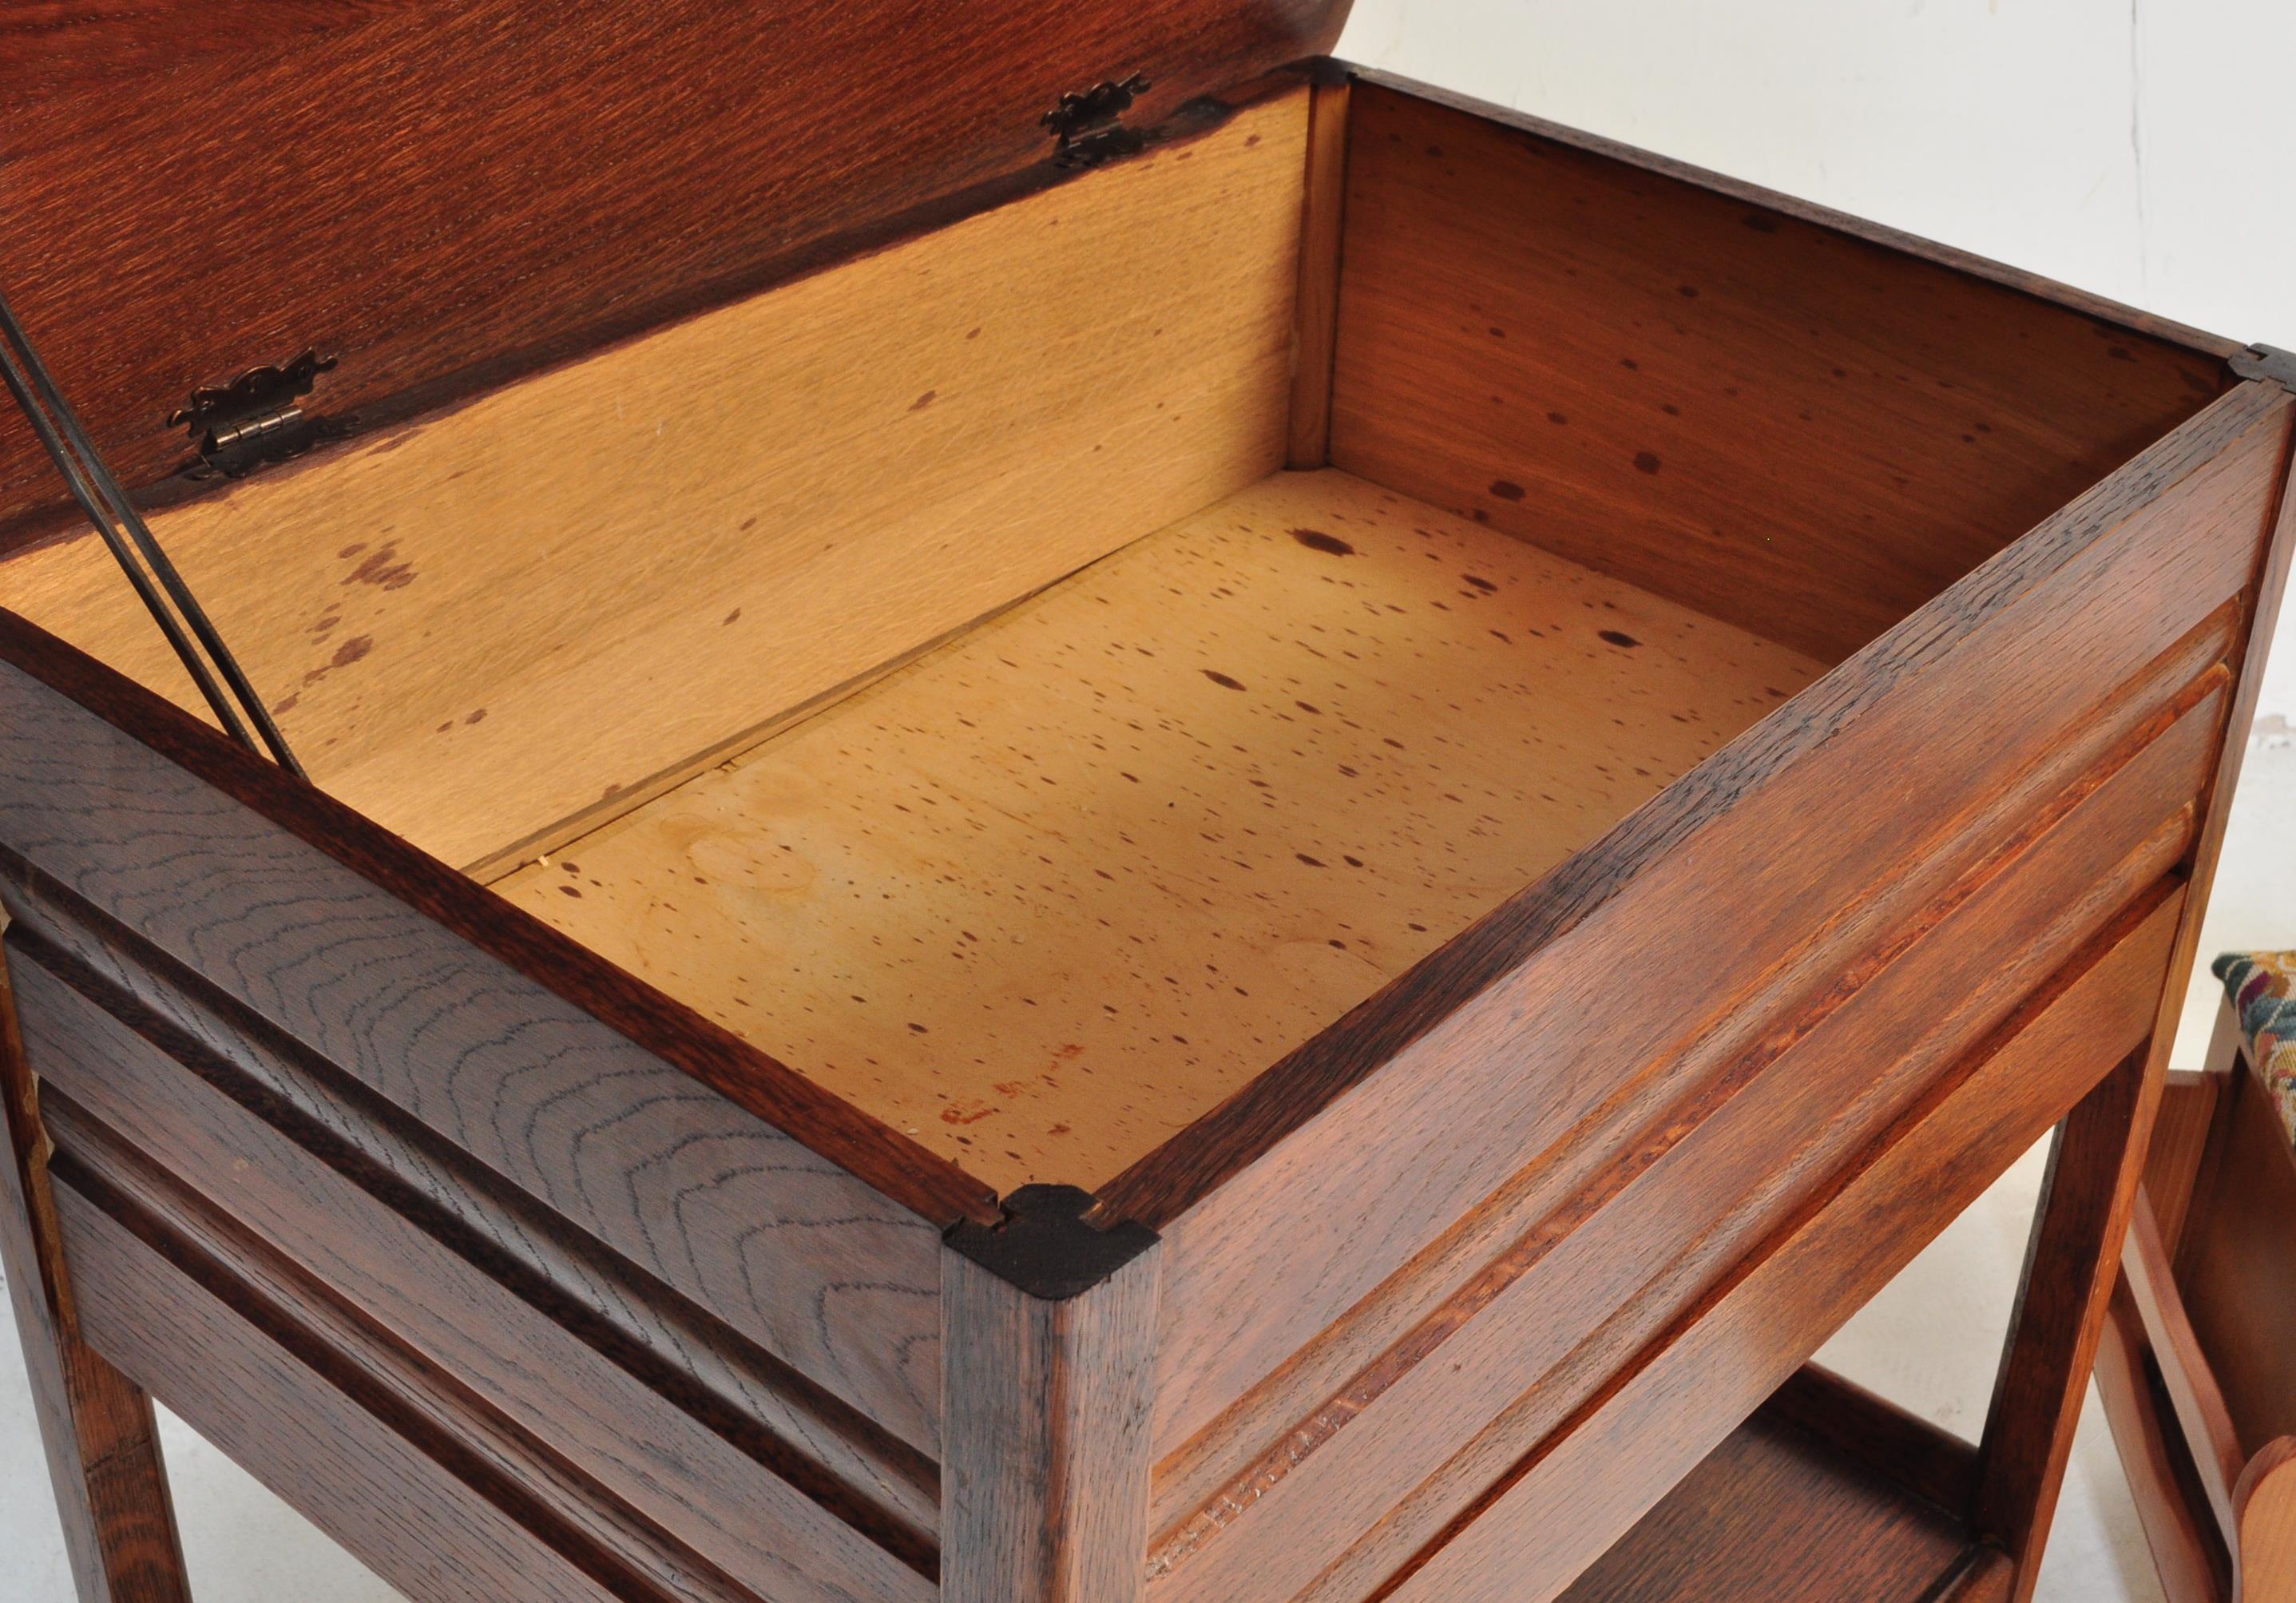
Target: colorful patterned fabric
point(2262, 986)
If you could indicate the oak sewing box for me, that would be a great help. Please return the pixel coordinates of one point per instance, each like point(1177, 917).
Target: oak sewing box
point(1094, 812)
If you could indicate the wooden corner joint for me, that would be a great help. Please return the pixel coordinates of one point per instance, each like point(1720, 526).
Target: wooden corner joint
point(1047, 1246)
point(1048, 1361)
point(2266, 362)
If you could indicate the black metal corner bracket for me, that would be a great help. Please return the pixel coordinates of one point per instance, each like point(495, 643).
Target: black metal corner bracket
point(1045, 1246)
point(2266, 362)
point(157, 583)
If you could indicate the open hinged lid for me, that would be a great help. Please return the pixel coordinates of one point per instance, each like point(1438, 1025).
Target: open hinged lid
point(437, 197)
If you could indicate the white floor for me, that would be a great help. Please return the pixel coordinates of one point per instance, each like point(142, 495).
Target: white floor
point(1929, 1340)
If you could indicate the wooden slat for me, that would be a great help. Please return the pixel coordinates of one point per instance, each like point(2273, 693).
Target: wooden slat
point(2237, 1276)
point(1810, 436)
point(1317, 315)
point(542, 1256)
point(1531, 1036)
point(2188, 1555)
point(100, 834)
point(477, 627)
point(448, 198)
point(2189, 1103)
point(2226, 1060)
point(2211, 1441)
point(1605, 1271)
point(401, 1512)
point(725, 1497)
point(2071, 1264)
point(1556, 1510)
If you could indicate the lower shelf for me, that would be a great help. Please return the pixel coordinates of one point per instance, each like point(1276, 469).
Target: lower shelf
point(1827, 1493)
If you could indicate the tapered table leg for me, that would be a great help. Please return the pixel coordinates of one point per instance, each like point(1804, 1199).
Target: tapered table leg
point(2070, 1268)
point(103, 1452)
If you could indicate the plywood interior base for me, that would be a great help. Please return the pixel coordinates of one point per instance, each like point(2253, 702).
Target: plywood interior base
point(1048, 894)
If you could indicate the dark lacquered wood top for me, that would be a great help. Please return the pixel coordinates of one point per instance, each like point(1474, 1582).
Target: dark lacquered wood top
point(441, 195)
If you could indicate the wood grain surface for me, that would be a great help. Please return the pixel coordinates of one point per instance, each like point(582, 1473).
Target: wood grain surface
point(1782, 1511)
point(1480, 1253)
point(1322, 210)
point(2230, 1275)
point(1608, 1268)
point(1527, 1039)
point(790, 1246)
point(1046, 1484)
point(446, 198)
point(1896, 240)
point(2188, 1552)
point(1552, 1513)
point(529, 607)
point(101, 1444)
point(438, 896)
point(398, 1392)
point(278, 1413)
point(747, 1508)
point(1798, 433)
point(1051, 892)
point(2267, 1497)
point(617, 1307)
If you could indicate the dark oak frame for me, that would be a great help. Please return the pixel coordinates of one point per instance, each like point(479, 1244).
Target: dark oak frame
point(243, 1115)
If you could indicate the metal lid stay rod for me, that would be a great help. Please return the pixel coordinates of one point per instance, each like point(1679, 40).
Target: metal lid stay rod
point(234, 700)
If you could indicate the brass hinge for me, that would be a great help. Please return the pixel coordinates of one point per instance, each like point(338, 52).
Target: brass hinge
point(1089, 126)
point(255, 419)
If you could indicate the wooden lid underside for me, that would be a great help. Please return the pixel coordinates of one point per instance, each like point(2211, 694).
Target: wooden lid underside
point(442, 195)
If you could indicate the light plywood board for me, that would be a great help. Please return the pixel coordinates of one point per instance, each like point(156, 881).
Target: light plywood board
point(1053, 891)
